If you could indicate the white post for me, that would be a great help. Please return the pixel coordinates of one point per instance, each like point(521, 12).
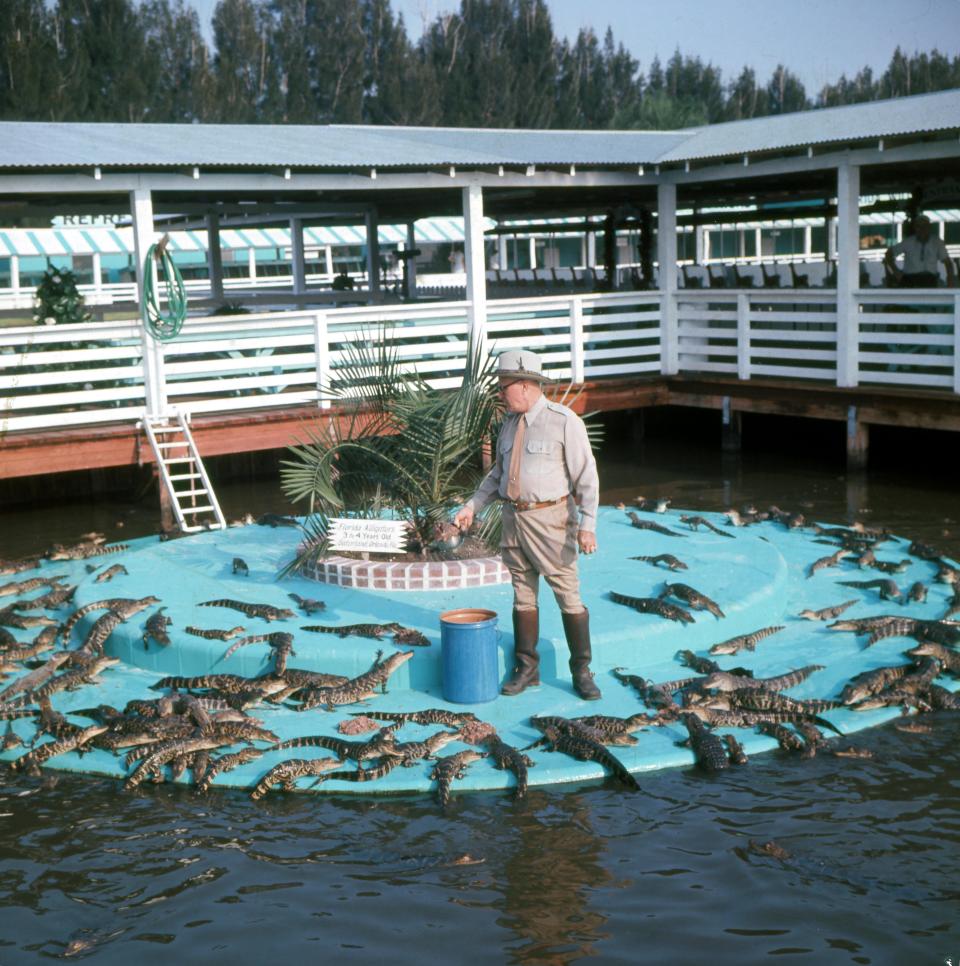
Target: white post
point(321, 347)
point(743, 335)
point(848, 272)
point(532, 247)
point(831, 227)
point(503, 256)
point(700, 238)
point(591, 249)
point(807, 242)
point(155, 390)
point(476, 270)
point(15, 274)
point(328, 258)
point(956, 343)
point(577, 364)
point(758, 244)
point(667, 261)
point(96, 268)
point(373, 250)
point(214, 256)
point(252, 265)
point(297, 257)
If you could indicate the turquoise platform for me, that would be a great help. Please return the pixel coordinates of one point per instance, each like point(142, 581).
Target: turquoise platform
point(758, 578)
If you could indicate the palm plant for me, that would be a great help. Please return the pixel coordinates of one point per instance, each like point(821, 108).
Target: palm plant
point(400, 446)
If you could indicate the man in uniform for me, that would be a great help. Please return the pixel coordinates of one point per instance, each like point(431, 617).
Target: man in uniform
point(546, 475)
point(923, 254)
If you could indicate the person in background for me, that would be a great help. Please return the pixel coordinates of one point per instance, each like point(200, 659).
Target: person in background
point(544, 470)
point(923, 253)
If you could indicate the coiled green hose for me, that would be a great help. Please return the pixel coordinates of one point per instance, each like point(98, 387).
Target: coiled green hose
point(162, 325)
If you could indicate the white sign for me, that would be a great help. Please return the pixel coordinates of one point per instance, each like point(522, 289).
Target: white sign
point(375, 536)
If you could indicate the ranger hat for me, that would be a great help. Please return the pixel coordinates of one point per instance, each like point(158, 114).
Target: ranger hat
point(521, 364)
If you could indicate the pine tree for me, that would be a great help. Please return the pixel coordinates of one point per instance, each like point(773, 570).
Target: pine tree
point(27, 54)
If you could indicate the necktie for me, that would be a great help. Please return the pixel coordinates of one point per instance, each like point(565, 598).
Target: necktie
point(513, 477)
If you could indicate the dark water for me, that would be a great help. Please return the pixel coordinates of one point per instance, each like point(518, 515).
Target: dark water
point(870, 872)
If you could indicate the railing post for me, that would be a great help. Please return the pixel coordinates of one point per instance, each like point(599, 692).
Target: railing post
point(956, 342)
point(321, 345)
point(848, 273)
point(743, 335)
point(476, 267)
point(576, 341)
point(154, 381)
point(667, 264)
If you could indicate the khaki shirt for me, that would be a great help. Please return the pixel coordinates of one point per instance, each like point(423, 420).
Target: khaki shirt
point(556, 460)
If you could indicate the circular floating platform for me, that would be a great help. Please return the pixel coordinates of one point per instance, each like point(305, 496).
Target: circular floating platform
point(757, 575)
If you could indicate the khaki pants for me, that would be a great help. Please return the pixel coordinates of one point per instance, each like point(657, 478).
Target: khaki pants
point(543, 543)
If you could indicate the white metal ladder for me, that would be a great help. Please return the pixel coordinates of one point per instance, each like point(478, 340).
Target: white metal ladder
point(195, 504)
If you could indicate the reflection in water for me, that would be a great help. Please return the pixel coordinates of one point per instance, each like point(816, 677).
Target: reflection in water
point(548, 881)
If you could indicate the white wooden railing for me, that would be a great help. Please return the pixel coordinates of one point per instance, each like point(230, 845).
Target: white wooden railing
point(62, 376)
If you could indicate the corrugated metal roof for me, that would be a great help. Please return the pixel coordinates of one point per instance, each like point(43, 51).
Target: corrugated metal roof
point(26, 144)
point(853, 122)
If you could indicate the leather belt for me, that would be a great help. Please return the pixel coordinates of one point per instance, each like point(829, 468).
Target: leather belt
point(522, 505)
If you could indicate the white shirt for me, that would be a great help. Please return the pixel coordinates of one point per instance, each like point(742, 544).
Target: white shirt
point(921, 256)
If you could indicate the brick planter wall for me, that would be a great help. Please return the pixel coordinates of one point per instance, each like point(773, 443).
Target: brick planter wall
point(418, 575)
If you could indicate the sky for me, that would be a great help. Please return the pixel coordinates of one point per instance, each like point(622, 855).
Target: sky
point(817, 39)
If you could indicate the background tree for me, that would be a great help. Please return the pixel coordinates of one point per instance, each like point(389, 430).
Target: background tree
point(27, 51)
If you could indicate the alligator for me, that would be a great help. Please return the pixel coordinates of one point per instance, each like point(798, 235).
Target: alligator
point(110, 573)
point(872, 682)
point(156, 629)
point(867, 559)
point(151, 764)
point(641, 524)
point(947, 574)
point(953, 605)
point(102, 628)
point(890, 566)
point(382, 744)
point(812, 738)
point(288, 772)
point(307, 604)
point(924, 551)
point(72, 679)
point(651, 695)
point(695, 522)
point(735, 752)
point(719, 718)
point(401, 635)
point(613, 730)
point(295, 679)
point(749, 641)
point(240, 567)
point(84, 551)
point(265, 611)
point(917, 593)
point(51, 599)
point(11, 618)
point(941, 699)
point(281, 643)
point(35, 678)
point(725, 681)
point(913, 727)
point(215, 634)
point(407, 753)
point(429, 716)
point(451, 767)
point(667, 559)
point(227, 684)
point(225, 763)
point(11, 739)
point(694, 598)
point(864, 625)
point(832, 561)
point(653, 605)
point(787, 739)
point(30, 762)
point(126, 606)
point(7, 639)
point(707, 747)
point(505, 756)
point(574, 740)
point(358, 688)
point(131, 733)
point(759, 699)
point(42, 642)
point(887, 588)
point(9, 568)
point(851, 752)
point(827, 613)
point(17, 587)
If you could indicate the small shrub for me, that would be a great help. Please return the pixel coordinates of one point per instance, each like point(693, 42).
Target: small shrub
point(58, 302)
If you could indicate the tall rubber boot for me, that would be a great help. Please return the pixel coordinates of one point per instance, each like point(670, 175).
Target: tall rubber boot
point(576, 627)
point(526, 669)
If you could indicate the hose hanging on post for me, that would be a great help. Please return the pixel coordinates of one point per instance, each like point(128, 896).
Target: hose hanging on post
point(162, 325)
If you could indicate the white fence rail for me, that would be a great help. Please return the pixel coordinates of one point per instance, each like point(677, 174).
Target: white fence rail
point(63, 376)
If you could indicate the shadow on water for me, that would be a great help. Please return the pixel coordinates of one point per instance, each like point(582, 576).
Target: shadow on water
point(862, 867)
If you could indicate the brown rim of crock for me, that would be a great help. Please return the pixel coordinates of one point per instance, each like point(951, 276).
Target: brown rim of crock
point(467, 615)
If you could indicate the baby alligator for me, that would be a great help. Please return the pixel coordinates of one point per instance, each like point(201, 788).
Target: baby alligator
point(650, 525)
point(401, 634)
point(506, 756)
point(214, 634)
point(887, 588)
point(667, 559)
point(265, 611)
point(451, 767)
point(616, 731)
point(382, 744)
point(827, 613)
point(575, 742)
point(694, 598)
point(707, 748)
point(307, 604)
point(358, 688)
point(287, 772)
point(748, 641)
point(695, 523)
point(428, 716)
point(653, 605)
point(156, 629)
